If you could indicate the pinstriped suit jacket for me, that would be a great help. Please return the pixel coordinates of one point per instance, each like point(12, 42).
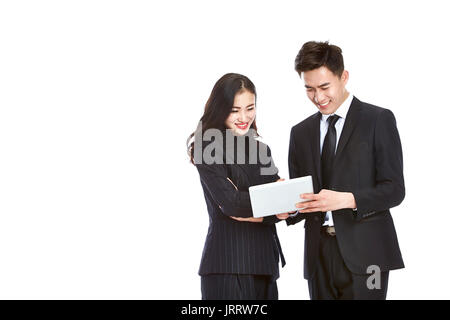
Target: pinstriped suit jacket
point(234, 246)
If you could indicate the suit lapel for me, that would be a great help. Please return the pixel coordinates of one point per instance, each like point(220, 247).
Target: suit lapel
point(349, 125)
point(315, 146)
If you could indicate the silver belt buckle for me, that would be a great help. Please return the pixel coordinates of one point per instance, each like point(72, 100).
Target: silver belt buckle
point(331, 231)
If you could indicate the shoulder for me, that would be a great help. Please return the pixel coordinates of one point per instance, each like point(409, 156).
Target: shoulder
point(305, 124)
point(375, 117)
point(263, 146)
point(374, 111)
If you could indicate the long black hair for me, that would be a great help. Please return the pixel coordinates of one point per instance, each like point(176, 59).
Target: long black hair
point(220, 103)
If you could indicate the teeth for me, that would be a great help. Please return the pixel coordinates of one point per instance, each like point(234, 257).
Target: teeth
point(324, 104)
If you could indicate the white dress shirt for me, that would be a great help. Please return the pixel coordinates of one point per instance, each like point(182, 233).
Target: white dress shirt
point(342, 113)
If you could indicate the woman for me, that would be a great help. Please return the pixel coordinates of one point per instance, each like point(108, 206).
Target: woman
point(241, 253)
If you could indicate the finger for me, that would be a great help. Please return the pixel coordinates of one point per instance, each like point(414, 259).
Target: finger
point(309, 196)
point(310, 209)
point(315, 209)
point(279, 180)
point(254, 219)
point(307, 204)
point(300, 205)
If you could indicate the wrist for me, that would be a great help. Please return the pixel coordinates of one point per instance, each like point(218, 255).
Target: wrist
point(351, 203)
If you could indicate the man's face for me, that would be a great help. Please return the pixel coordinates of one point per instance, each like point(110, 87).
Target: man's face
point(325, 89)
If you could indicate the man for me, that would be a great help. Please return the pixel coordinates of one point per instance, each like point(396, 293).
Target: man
point(353, 152)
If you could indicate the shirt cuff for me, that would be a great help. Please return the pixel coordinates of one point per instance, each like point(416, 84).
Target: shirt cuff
point(293, 214)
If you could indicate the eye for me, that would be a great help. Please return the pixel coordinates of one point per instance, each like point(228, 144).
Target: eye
point(250, 108)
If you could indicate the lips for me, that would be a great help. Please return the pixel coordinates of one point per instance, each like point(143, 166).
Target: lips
point(242, 126)
point(324, 105)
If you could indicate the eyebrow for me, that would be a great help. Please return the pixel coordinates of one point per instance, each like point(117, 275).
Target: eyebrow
point(321, 86)
point(246, 106)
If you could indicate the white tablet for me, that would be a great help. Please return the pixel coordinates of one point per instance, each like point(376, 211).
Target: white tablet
point(279, 197)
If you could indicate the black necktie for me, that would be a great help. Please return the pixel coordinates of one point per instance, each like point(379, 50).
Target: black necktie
point(328, 150)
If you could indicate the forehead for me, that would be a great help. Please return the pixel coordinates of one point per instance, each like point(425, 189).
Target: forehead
point(319, 76)
point(244, 98)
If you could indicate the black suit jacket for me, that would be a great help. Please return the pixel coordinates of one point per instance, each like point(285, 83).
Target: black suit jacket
point(369, 164)
point(234, 246)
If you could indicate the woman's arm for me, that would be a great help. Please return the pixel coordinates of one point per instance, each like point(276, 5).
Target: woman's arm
point(231, 201)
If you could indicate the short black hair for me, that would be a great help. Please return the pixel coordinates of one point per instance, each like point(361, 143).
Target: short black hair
point(315, 54)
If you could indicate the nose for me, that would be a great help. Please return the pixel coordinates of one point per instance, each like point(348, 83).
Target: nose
point(243, 115)
point(319, 97)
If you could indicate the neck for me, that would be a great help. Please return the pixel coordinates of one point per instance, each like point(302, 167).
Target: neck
point(346, 94)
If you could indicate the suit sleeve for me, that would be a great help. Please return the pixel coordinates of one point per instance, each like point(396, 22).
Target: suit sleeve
point(231, 201)
point(271, 219)
point(389, 189)
point(294, 172)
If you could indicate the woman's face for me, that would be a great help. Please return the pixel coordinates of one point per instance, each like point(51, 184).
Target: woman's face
point(242, 114)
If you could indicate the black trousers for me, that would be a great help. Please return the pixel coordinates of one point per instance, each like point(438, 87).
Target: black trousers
point(334, 281)
point(238, 287)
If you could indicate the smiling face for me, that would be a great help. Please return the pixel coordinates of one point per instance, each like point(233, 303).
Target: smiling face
point(325, 89)
point(242, 114)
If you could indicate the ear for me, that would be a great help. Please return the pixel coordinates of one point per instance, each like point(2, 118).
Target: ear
point(344, 76)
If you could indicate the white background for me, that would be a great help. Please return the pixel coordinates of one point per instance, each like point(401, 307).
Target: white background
point(97, 197)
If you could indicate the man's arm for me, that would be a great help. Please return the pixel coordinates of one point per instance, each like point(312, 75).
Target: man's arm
point(389, 190)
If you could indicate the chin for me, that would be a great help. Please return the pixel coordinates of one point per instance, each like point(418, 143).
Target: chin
point(327, 111)
point(239, 132)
